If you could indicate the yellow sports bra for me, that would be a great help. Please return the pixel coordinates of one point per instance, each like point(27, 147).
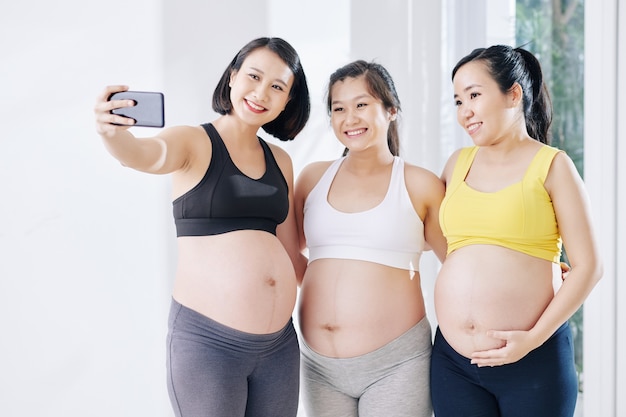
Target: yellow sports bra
point(518, 217)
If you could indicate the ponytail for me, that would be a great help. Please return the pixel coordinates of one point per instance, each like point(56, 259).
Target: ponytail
point(538, 110)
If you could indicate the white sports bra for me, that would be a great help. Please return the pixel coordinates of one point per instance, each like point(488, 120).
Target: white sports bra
point(391, 233)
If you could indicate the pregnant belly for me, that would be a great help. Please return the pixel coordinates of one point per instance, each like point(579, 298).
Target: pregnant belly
point(482, 288)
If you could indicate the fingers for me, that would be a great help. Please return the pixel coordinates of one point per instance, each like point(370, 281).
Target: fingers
point(106, 122)
point(513, 346)
point(565, 268)
point(494, 357)
point(499, 334)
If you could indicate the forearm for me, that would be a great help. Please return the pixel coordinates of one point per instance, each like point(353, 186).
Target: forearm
point(145, 155)
point(575, 289)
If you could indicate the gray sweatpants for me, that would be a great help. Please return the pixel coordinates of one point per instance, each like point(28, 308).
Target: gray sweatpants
point(390, 381)
point(216, 371)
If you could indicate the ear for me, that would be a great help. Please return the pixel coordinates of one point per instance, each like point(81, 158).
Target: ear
point(393, 114)
point(231, 79)
point(516, 95)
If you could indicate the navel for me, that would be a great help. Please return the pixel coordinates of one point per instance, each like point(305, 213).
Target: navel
point(329, 327)
point(470, 326)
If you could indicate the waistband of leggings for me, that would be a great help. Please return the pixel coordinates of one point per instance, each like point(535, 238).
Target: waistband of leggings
point(414, 342)
point(183, 318)
point(440, 338)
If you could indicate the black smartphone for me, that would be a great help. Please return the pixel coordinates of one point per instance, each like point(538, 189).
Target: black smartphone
point(148, 110)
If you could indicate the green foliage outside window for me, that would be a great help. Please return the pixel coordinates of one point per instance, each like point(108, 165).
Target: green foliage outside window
point(554, 31)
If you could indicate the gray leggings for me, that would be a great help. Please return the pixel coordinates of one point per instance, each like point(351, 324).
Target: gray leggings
point(390, 381)
point(216, 371)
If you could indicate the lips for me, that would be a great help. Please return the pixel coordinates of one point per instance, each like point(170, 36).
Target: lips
point(255, 107)
point(355, 132)
point(473, 127)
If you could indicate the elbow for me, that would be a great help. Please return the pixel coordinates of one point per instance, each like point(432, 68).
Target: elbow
point(598, 272)
point(594, 272)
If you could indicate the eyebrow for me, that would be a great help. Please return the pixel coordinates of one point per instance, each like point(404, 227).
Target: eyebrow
point(352, 99)
point(278, 80)
point(469, 87)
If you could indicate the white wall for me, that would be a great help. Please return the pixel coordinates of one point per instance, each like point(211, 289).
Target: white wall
point(82, 283)
point(620, 227)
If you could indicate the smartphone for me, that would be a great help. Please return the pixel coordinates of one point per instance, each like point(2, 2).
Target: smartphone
point(148, 110)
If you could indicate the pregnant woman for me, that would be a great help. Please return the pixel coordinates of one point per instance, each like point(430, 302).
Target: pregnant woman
point(503, 346)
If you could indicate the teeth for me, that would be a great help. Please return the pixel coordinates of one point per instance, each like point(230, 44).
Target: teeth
point(254, 106)
point(355, 132)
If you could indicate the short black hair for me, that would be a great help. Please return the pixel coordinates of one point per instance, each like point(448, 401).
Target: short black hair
point(293, 119)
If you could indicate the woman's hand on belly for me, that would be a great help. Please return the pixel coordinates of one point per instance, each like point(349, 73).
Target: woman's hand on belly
point(487, 298)
point(515, 344)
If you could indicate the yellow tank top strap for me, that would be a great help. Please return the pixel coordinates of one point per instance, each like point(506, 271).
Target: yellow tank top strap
point(542, 162)
point(463, 164)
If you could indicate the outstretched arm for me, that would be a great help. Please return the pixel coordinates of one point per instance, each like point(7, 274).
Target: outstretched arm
point(166, 152)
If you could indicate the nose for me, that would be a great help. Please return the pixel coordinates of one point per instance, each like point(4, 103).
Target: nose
point(351, 116)
point(465, 111)
point(261, 91)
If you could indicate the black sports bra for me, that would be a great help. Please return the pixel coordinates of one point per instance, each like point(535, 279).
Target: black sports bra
point(226, 199)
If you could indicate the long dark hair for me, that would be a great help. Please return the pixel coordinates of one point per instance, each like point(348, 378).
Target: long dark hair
point(380, 85)
point(507, 66)
point(292, 120)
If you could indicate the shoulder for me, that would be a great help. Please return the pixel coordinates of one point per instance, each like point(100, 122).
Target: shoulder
point(451, 162)
point(190, 139)
point(310, 175)
point(422, 182)
point(455, 155)
point(315, 168)
point(279, 153)
point(416, 173)
point(562, 170)
point(283, 160)
point(314, 171)
point(187, 145)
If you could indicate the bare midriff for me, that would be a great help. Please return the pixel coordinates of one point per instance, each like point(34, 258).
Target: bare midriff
point(488, 287)
point(349, 308)
point(242, 279)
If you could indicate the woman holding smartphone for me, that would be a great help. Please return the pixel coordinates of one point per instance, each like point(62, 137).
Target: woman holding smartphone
point(232, 349)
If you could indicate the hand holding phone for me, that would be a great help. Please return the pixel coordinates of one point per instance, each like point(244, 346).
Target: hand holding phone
point(148, 110)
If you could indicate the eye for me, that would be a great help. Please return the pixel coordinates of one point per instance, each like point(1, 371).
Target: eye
point(474, 95)
point(457, 103)
point(278, 87)
point(254, 77)
point(337, 109)
point(360, 105)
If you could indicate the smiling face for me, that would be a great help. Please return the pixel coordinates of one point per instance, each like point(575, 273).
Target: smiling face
point(487, 115)
point(260, 88)
point(359, 120)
